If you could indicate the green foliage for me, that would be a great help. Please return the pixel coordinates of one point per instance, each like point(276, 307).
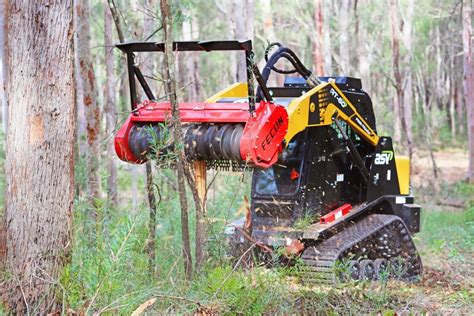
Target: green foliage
point(448, 231)
point(304, 222)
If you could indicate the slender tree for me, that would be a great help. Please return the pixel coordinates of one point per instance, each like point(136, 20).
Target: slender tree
point(469, 80)
point(318, 38)
point(408, 78)
point(40, 153)
point(327, 49)
point(110, 109)
point(344, 41)
point(190, 76)
point(170, 88)
point(150, 246)
point(92, 111)
point(397, 83)
point(3, 99)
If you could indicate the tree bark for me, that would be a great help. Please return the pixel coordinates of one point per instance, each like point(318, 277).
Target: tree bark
point(92, 112)
point(149, 26)
point(40, 153)
point(170, 88)
point(364, 50)
point(398, 99)
point(468, 80)
point(195, 176)
point(344, 43)
point(3, 99)
point(244, 29)
point(318, 57)
point(408, 80)
point(110, 108)
point(152, 221)
point(327, 50)
point(197, 184)
point(190, 77)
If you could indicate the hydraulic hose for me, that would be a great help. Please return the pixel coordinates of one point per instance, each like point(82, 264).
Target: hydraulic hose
point(288, 54)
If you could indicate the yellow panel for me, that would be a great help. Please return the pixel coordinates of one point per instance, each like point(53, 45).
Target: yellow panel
point(298, 113)
point(237, 90)
point(299, 108)
point(403, 171)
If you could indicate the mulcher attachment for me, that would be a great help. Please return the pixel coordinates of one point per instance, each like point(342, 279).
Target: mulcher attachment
point(375, 247)
point(214, 132)
point(221, 133)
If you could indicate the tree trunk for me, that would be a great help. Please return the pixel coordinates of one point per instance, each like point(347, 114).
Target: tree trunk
point(190, 76)
point(3, 99)
point(196, 179)
point(355, 38)
point(197, 184)
point(318, 57)
point(81, 135)
point(150, 249)
point(92, 112)
point(244, 29)
point(469, 80)
point(344, 43)
point(170, 88)
point(327, 51)
point(408, 84)
point(268, 35)
point(364, 50)
point(398, 99)
point(267, 16)
point(110, 109)
point(147, 66)
point(40, 153)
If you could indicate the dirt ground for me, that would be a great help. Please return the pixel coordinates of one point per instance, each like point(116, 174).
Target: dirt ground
point(447, 283)
point(451, 166)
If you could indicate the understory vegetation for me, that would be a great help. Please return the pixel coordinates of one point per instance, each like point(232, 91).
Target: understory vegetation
point(109, 272)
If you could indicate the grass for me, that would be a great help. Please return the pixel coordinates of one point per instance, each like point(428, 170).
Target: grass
point(109, 272)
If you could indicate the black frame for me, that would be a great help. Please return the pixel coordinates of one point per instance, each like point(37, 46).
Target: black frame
point(187, 46)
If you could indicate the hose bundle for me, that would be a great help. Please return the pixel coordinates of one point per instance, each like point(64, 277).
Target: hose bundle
point(289, 55)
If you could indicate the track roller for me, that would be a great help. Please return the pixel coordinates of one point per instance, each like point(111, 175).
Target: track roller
point(371, 248)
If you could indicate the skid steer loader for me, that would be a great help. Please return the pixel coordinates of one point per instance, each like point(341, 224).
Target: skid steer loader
point(315, 154)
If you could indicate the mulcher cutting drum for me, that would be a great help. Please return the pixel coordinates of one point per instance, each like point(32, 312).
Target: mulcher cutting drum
point(202, 141)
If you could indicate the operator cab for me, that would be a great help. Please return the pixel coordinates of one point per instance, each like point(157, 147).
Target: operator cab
point(314, 173)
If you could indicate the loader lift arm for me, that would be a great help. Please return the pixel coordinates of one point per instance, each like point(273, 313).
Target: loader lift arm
point(321, 106)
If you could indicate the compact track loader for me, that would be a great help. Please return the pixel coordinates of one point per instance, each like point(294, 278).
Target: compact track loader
point(316, 157)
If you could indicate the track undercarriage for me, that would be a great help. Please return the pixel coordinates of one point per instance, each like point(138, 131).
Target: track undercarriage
point(373, 248)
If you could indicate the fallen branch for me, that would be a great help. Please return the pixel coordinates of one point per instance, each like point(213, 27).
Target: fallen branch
point(253, 241)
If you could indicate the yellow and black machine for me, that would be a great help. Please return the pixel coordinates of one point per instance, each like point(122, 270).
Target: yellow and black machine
point(316, 156)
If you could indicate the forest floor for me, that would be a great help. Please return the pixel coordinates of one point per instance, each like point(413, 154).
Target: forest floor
point(109, 272)
point(447, 237)
point(446, 245)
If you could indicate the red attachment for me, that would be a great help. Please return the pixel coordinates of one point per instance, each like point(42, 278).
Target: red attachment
point(263, 135)
point(294, 174)
point(121, 142)
point(150, 112)
point(336, 214)
point(261, 139)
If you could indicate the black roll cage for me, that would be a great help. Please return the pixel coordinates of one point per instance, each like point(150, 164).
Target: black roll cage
point(134, 72)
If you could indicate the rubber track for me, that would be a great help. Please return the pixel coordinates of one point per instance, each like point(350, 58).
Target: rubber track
point(375, 236)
